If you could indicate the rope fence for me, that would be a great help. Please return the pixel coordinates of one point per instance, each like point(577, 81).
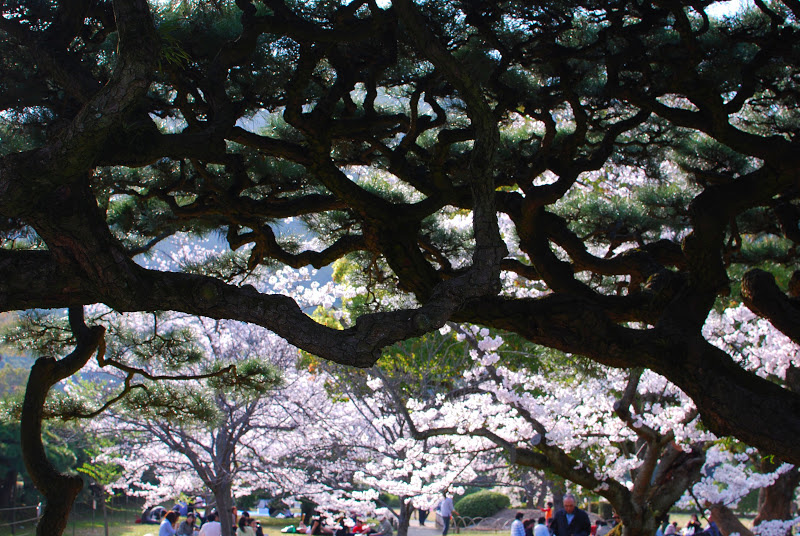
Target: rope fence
point(86, 517)
point(18, 508)
point(19, 522)
point(11, 524)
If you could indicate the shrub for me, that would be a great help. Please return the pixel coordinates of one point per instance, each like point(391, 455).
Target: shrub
point(392, 501)
point(482, 504)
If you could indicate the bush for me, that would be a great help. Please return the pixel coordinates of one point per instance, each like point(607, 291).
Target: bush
point(482, 504)
point(392, 501)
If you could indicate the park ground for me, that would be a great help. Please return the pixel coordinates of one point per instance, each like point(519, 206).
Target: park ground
point(122, 523)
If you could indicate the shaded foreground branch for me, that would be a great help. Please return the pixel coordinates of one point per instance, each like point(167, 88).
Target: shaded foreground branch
point(58, 489)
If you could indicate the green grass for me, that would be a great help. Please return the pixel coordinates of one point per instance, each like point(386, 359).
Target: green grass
point(122, 523)
point(275, 522)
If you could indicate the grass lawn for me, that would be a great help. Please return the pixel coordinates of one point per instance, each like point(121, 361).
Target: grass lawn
point(122, 523)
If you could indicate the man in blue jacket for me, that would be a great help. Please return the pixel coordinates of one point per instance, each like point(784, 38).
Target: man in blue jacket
point(570, 521)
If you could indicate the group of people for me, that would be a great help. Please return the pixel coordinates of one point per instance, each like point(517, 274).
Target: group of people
point(342, 526)
point(693, 527)
point(571, 521)
point(196, 525)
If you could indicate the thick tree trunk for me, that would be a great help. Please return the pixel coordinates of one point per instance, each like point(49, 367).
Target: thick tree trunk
point(222, 494)
point(775, 501)
point(644, 524)
point(727, 522)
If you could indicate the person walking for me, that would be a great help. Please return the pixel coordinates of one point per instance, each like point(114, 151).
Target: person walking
point(446, 510)
point(423, 515)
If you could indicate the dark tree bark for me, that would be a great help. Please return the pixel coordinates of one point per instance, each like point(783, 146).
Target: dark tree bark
point(727, 521)
point(8, 488)
point(221, 488)
point(763, 297)
point(776, 501)
point(403, 516)
point(58, 489)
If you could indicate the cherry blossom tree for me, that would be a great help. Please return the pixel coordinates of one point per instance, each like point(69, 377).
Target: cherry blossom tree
point(218, 433)
point(611, 433)
point(731, 472)
point(629, 436)
point(418, 472)
point(737, 470)
point(146, 360)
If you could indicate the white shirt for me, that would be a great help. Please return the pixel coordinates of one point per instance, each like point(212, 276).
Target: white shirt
point(212, 528)
point(517, 529)
point(540, 530)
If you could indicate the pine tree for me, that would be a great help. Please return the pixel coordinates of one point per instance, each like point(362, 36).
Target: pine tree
point(621, 168)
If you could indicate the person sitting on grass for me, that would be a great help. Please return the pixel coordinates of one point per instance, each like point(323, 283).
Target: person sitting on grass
point(187, 526)
point(167, 527)
point(385, 528)
point(211, 527)
point(247, 526)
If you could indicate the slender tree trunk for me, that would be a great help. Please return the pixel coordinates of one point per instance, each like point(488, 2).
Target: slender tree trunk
point(404, 517)
point(8, 486)
point(105, 514)
point(559, 491)
point(541, 499)
point(58, 489)
point(529, 488)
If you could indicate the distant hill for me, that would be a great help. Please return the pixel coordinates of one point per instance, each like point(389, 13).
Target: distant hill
point(15, 360)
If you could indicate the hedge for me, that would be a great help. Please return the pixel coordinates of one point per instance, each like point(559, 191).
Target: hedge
point(482, 504)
